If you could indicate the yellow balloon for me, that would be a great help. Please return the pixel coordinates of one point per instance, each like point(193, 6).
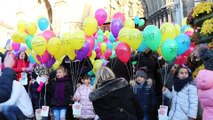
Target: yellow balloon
point(97, 64)
point(103, 47)
point(168, 30)
point(90, 25)
point(34, 56)
point(53, 45)
point(177, 27)
point(19, 36)
point(22, 25)
point(78, 40)
point(66, 41)
point(71, 54)
point(106, 33)
point(92, 57)
point(56, 65)
point(184, 21)
point(61, 52)
point(131, 36)
point(39, 44)
point(189, 29)
point(28, 51)
point(129, 23)
point(31, 28)
point(2, 50)
point(159, 50)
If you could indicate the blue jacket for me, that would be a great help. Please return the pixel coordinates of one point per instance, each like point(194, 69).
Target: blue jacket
point(6, 83)
point(145, 95)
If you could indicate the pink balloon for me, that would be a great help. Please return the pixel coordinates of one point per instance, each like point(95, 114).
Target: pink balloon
point(105, 38)
point(101, 16)
point(189, 33)
point(120, 16)
point(47, 34)
point(123, 52)
point(16, 46)
point(44, 58)
point(107, 54)
point(91, 42)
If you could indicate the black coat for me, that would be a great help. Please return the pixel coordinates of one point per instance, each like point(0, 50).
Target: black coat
point(6, 83)
point(121, 69)
point(113, 95)
point(68, 93)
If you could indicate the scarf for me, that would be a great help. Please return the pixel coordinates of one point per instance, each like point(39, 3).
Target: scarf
point(59, 89)
point(179, 84)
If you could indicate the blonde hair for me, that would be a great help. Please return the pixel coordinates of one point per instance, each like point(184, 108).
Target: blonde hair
point(62, 68)
point(103, 74)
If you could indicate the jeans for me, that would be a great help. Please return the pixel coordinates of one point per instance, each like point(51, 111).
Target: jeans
point(59, 113)
point(13, 112)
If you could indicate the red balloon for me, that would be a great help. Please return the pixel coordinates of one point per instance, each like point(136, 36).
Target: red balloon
point(123, 52)
point(190, 49)
point(181, 59)
point(108, 53)
point(91, 42)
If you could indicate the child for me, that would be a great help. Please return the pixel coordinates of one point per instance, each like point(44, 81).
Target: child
point(144, 93)
point(184, 96)
point(82, 95)
point(59, 92)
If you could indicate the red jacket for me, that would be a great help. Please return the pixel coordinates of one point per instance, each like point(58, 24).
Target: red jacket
point(19, 64)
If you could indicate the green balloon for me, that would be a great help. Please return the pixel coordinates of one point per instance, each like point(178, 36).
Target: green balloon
point(100, 38)
point(28, 41)
point(113, 54)
point(114, 44)
point(134, 62)
point(90, 73)
point(169, 49)
point(152, 37)
point(141, 22)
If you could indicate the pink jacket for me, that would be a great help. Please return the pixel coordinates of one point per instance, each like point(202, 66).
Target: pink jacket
point(82, 95)
point(204, 82)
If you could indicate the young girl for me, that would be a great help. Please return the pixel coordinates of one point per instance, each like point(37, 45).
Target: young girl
point(184, 96)
point(82, 95)
point(59, 92)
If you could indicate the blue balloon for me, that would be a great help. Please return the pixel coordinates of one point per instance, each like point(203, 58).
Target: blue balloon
point(183, 42)
point(109, 45)
point(111, 37)
point(142, 47)
point(184, 28)
point(100, 32)
point(92, 80)
point(136, 20)
point(31, 59)
point(96, 45)
point(43, 24)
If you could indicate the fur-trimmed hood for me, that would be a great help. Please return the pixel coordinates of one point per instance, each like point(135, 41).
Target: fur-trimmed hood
point(107, 88)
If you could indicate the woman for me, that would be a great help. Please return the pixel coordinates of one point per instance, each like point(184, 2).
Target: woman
point(113, 99)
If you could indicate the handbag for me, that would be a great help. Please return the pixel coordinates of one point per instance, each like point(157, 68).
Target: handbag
point(76, 109)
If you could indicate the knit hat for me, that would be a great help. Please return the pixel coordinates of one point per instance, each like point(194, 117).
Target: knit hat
point(141, 73)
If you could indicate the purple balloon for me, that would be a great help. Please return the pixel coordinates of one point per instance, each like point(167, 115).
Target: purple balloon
point(82, 53)
point(50, 62)
point(115, 27)
point(44, 58)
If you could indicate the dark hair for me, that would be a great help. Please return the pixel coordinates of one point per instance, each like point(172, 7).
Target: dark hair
point(26, 57)
point(181, 67)
point(86, 76)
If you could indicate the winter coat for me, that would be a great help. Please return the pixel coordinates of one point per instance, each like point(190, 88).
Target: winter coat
point(121, 69)
point(82, 95)
point(19, 64)
point(145, 95)
point(184, 102)
point(6, 83)
point(204, 82)
point(114, 100)
point(51, 95)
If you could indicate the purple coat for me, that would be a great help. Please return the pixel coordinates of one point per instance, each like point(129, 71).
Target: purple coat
point(82, 95)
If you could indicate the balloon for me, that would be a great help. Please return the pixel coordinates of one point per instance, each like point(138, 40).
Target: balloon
point(91, 42)
point(136, 20)
point(50, 62)
point(19, 36)
point(106, 33)
point(189, 33)
point(141, 22)
point(142, 47)
point(111, 37)
point(82, 53)
point(108, 53)
point(54, 45)
point(56, 65)
point(129, 23)
point(92, 57)
point(47, 34)
point(71, 54)
point(78, 40)
point(22, 25)
point(31, 59)
point(190, 49)
point(43, 23)
point(152, 37)
point(131, 36)
point(15, 46)
point(101, 16)
point(100, 38)
point(90, 25)
point(66, 41)
point(103, 48)
point(44, 58)
point(34, 56)
point(39, 44)
point(109, 45)
point(28, 41)
point(31, 28)
point(183, 42)
point(100, 32)
point(90, 73)
point(177, 27)
point(115, 27)
point(123, 52)
point(183, 28)
point(181, 59)
point(97, 64)
point(184, 21)
point(113, 54)
point(115, 44)
point(22, 47)
point(61, 52)
point(169, 49)
point(119, 16)
point(2, 50)
point(168, 30)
